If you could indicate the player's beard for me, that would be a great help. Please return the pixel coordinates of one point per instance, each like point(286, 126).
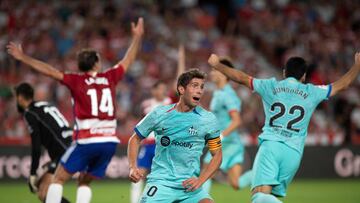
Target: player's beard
point(20, 108)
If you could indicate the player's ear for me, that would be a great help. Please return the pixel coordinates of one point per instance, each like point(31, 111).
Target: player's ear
point(97, 66)
point(181, 90)
point(303, 78)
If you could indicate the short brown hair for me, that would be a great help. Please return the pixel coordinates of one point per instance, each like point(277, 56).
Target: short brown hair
point(185, 78)
point(87, 59)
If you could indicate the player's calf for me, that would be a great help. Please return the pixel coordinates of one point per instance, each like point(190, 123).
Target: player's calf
point(44, 183)
point(234, 183)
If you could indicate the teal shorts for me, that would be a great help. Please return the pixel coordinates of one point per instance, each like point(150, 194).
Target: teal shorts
point(276, 165)
point(232, 154)
point(160, 193)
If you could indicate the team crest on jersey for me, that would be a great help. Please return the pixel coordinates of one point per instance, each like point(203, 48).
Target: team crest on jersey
point(193, 131)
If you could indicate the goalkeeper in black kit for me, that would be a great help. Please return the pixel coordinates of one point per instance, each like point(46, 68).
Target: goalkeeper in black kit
point(49, 129)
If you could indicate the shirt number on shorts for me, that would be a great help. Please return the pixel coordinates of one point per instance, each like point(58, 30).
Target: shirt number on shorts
point(282, 112)
point(152, 190)
point(106, 102)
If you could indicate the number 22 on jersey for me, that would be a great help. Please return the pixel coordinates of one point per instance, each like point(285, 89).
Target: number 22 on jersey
point(282, 111)
point(106, 102)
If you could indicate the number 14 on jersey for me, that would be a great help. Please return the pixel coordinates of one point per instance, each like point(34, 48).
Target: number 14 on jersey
point(106, 102)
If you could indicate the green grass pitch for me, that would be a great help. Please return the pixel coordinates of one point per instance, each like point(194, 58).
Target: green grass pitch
point(300, 191)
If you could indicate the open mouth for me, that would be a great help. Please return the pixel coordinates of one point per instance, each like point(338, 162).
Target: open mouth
point(196, 98)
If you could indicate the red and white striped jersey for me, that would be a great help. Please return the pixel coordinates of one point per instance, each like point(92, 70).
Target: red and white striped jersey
point(147, 106)
point(94, 105)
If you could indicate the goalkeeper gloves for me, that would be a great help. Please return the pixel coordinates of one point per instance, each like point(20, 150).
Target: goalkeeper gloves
point(33, 183)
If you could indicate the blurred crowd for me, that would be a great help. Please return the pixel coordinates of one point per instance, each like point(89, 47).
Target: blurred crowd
point(258, 35)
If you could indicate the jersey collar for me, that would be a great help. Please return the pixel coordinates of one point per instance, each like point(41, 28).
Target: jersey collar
point(292, 79)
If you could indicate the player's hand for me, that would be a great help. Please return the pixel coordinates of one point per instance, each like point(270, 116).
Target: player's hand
point(33, 183)
point(15, 50)
point(138, 28)
point(357, 58)
point(213, 60)
point(192, 184)
point(135, 175)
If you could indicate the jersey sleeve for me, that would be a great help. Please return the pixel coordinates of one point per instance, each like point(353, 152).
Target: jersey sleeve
point(232, 103)
point(321, 92)
point(70, 80)
point(213, 137)
point(116, 73)
point(33, 126)
point(146, 125)
point(214, 129)
point(262, 86)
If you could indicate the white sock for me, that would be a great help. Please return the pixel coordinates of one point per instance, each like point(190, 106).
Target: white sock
point(136, 190)
point(54, 193)
point(83, 194)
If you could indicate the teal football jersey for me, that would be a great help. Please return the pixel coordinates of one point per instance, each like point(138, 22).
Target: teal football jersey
point(180, 140)
point(288, 106)
point(222, 103)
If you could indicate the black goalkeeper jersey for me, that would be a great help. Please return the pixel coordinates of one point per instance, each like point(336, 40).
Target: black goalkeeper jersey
point(48, 128)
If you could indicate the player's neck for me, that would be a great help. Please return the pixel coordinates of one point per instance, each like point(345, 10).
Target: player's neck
point(92, 73)
point(182, 107)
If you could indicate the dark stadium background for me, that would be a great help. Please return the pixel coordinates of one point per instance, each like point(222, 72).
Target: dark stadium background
point(258, 35)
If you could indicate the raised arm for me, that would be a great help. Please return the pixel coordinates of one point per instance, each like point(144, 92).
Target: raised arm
point(16, 51)
point(235, 75)
point(181, 65)
point(137, 33)
point(344, 82)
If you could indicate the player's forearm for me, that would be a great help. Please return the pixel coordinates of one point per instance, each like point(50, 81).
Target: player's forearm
point(133, 149)
point(345, 80)
point(181, 65)
point(234, 124)
point(234, 75)
point(232, 127)
point(213, 166)
point(42, 67)
point(131, 52)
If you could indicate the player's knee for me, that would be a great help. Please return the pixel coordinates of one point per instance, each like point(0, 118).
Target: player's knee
point(85, 180)
point(59, 179)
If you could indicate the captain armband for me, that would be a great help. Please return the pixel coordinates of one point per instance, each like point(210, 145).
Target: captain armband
point(214, 143)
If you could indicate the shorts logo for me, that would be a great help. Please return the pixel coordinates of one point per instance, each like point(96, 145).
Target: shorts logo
point(193, 131)
point(165, 141)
